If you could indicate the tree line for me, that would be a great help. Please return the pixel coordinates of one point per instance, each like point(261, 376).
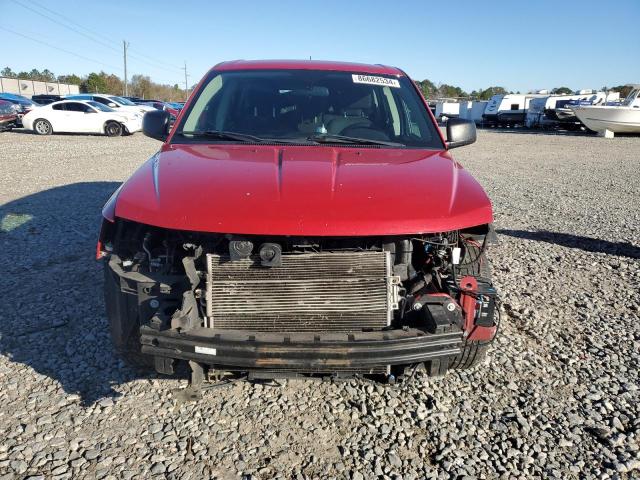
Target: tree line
point(431, 90)
point(142, 86)
point(102, 82)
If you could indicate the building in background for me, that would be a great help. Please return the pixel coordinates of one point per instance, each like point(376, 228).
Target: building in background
point(28, 88)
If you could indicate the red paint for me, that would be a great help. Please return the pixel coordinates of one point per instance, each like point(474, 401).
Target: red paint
point(304, 190)
point(469, 287)
point(8, 117)
point(306, 65)
point(99, 250)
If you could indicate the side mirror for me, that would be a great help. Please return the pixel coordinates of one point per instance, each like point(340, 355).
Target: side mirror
point(90, 111)
point(155, 124)
point(112, 105)
point(460, 132)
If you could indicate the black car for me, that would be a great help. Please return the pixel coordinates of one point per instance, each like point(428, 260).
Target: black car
point(46, 99)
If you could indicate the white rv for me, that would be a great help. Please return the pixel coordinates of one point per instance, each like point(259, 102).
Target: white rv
point(446, 109)
point(473, 110)
point(508, 109)
point(535, 114)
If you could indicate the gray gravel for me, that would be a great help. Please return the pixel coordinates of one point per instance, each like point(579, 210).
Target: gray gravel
point(558, 397)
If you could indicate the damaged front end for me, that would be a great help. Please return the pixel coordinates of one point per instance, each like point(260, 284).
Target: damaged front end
point(289, 306)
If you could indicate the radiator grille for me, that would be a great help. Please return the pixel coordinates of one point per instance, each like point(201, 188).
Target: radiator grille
point(323, 292)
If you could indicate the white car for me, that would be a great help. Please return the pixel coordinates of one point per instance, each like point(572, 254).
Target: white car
point(112, 101)
point(81, 117)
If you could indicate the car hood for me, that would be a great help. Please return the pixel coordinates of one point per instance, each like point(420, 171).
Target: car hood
point(302, 190)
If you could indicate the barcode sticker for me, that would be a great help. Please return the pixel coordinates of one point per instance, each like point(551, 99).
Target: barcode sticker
point(373, 80)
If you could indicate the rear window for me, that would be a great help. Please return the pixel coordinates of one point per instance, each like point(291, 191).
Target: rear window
point(293, 105)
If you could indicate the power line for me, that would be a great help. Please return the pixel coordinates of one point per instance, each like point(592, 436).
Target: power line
point(58, 48)
point(66, 26)
point(167, 67)
point(149, 60)
point(71, 21)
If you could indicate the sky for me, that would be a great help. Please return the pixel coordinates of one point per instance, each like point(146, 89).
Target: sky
point(520, 45)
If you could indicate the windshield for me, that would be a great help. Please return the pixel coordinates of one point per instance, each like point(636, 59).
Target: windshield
point(301, 105)
point(122, 101)
point(100, 106)
point(631, 97)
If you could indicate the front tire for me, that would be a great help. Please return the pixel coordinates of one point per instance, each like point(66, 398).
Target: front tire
point(42, 127)
point(475, 264)
point(113, 129)
point(124, 324)
point(472, 354)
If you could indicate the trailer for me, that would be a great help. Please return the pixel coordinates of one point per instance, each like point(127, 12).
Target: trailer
point(473, 110)
point(510, 109)
point(447, 109)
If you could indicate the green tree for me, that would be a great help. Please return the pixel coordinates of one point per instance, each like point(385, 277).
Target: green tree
point(561, 91)
point(94, 83)
point(487, 93)
point(113, 84)
point(47, 76)
point(7, 72)
point(427, 87)
point(141, 86)
point(450, 91)
point(71, 79)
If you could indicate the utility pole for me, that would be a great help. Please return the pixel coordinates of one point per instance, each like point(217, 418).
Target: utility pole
point(186, 84)
point(125, 45)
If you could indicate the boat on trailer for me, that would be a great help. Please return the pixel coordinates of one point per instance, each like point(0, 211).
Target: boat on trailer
point(563, 111)
point(608, 120)
point(553, 110)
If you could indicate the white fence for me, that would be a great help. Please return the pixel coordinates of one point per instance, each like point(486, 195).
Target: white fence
point(34, 87)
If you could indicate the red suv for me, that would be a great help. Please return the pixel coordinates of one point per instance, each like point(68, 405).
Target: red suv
point(301, 218)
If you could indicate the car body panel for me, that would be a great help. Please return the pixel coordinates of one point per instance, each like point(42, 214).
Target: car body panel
point(8, 115)
point(307, 65)
point(303, 190)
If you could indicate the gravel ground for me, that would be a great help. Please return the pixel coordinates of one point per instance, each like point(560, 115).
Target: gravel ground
point(557, 398)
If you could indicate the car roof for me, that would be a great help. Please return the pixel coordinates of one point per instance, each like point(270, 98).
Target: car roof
point(13, 96)
point(76, 95)
point(69, 100)
point(307, 65)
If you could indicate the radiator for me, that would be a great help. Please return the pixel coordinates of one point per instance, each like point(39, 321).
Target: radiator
point(309, 292)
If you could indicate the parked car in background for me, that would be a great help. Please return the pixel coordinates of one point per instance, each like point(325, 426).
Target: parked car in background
point(46, 99)
point(167, 107)
point(112, 101)
point(8, 115)
point(172, 108)
point(23, 105)
point(302, 218)
point(77, 116)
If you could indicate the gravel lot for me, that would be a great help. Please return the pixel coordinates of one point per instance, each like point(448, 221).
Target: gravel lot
point(559, 397)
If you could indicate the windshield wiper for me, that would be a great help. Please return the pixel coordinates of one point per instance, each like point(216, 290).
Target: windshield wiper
point(222, 135)
point(330, 138)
